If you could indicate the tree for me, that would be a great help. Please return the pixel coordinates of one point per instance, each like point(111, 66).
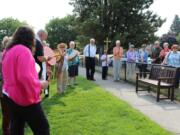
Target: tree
point(61, 30)
point(178, 38)
point(169, 37)
point(175, 27)
point(81, 41)
point(8, 26)
point(128, 19)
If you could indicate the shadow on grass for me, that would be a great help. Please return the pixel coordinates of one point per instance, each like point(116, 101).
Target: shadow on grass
point(83, 84)
point(56, 99)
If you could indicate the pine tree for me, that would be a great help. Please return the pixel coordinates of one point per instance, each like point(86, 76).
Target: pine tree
point(175, 27)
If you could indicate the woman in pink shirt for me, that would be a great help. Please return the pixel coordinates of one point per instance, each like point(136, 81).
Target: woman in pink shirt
point(165, 51)
point(21, 87)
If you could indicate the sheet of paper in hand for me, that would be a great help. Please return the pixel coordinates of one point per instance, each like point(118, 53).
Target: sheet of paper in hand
point(48, 52)
point(37, 67)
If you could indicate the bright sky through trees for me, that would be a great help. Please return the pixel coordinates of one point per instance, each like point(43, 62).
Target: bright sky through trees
point(38, 12)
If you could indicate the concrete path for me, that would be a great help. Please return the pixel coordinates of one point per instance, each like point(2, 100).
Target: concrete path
point(165, 113)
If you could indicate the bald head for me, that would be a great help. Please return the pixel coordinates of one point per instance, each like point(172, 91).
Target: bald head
point(72, 44)
point(118, 43)
point(42, 34)
point(92, 41)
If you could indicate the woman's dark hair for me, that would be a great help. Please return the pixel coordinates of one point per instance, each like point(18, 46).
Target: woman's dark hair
point(24, 35)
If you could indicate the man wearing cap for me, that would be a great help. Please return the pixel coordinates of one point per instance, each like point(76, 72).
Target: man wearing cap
point(90, 54)
point(131, 59)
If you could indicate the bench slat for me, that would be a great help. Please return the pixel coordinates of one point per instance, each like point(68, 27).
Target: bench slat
point(154, 82)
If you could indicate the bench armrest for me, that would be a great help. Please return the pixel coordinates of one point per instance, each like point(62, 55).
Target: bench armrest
point(166, 78)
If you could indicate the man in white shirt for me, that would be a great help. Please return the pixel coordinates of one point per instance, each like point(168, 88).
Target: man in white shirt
point(90, 54)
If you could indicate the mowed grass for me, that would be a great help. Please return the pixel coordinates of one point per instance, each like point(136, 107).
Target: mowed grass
point(88, 110)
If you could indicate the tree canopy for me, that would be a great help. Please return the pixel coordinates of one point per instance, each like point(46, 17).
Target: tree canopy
point(128, 20)
point(175, 27)
point(61, 30)
point(178, 38)
point(8, 26)
point(169, 37)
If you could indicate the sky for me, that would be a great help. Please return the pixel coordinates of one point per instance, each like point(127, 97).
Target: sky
point(167, 9)
point(38, 12)
point(35, 12)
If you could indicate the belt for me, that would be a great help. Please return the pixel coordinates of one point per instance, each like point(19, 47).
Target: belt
point(89, 57)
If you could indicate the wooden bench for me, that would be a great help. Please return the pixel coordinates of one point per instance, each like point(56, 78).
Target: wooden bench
point(159, 77)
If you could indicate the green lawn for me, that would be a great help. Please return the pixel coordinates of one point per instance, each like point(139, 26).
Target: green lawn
point(88, 110)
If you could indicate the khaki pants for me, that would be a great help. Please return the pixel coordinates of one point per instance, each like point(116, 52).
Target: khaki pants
point(62, 81)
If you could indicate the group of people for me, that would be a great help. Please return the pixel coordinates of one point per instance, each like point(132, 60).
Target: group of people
point(67, 61)
point(141, 57)
point(158, 55)
point(134, 57)
point(67, 66)
point(22, 84)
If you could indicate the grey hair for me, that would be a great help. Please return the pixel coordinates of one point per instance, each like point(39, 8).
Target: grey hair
point(165, 44)
point(42, 31)
point(92, 40)
point(157, 42)
point(71, 42)
point(131, 46)
point(5, 41)
point(118, 42)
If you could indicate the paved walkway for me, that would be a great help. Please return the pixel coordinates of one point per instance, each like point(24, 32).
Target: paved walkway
point(165, 113)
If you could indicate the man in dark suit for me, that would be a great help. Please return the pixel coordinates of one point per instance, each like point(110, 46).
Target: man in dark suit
point(39, 53)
